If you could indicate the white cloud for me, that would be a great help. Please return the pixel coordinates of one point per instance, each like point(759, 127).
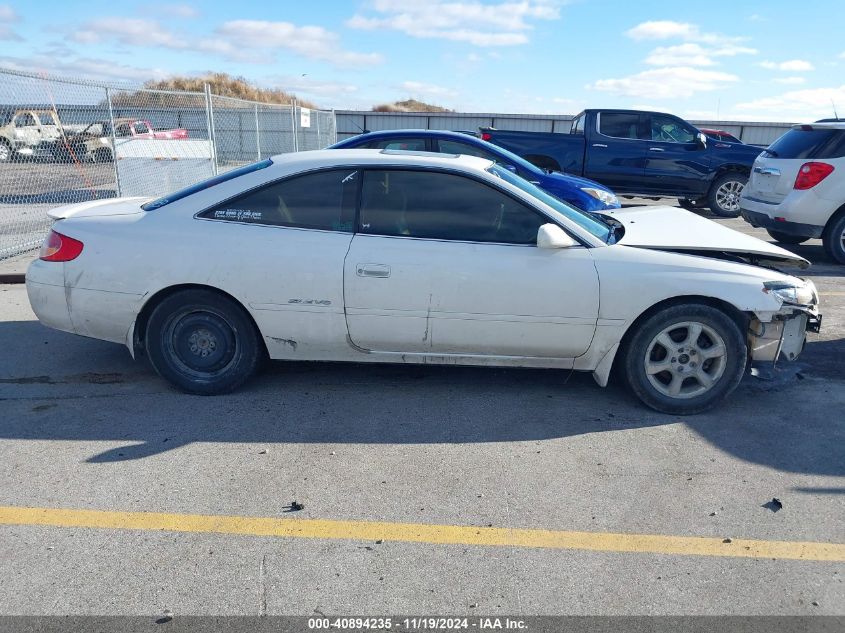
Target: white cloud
point(666, 83)
point(423, 90)
point(131, 31)
point(792, 65)
point(802, 104)
point(240, 40)
point(697, 49)
point(789, 80)
point(501, 24)
point(313, 42)
point(7, 17)
point(689, 54)
point(83, 68)
point(179, 10)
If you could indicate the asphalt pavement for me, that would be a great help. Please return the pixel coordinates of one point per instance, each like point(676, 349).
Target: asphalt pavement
point(427, 490)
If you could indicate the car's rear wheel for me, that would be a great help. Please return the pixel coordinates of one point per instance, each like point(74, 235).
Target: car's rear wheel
point(834, 239)
point(685, 359)
point(203, 342)
point(5, 151)
point(725, 191)
point(689, 205)
point(786, 238)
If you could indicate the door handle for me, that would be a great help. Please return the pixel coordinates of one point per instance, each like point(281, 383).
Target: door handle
point(599, 145)
point(656, 149)
point(373, 270)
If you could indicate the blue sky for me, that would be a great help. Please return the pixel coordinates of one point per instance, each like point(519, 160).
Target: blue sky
point(752, 60)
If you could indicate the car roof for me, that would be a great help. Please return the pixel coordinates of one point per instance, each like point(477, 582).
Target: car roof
point(341, 157)
point(411, 132)
point(826, 125)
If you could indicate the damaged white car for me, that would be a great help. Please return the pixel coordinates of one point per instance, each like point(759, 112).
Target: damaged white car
point(401, 257)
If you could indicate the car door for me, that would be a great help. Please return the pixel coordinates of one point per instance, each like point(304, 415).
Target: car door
point(615, 152)
point(288, 240)
point(445, 264)
point(27, 130)
point(675, 163)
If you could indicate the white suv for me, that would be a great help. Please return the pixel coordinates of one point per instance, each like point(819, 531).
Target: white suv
point(797, 187)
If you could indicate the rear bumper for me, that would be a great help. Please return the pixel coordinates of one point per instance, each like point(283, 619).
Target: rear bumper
point(765, 221)
point(45, 288)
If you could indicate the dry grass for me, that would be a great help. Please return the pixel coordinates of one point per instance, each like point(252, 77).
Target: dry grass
point(409, 105)
point(220, 84)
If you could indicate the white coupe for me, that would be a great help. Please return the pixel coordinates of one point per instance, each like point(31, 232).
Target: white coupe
point(402, 257)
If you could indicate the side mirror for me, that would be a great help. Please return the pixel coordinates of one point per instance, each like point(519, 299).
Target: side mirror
point(552, 236)
point(701, 140)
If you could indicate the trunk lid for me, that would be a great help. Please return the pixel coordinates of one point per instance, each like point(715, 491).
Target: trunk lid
point(99, 208)
point(672, 229)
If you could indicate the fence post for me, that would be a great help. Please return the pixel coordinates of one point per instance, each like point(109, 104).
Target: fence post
point(333, 140)
point(113, 144)
point(293, 124)
point(209, 121)
point(257, 134)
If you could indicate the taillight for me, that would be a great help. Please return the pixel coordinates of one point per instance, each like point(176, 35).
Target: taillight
point(486, 136)
point(60, 248)
point(812, 174)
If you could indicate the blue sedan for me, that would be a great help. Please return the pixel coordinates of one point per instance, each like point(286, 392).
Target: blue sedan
point(582, 193)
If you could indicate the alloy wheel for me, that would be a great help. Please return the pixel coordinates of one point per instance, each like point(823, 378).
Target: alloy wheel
point(685, 360)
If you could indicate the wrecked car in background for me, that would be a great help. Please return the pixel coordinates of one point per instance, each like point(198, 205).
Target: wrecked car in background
point(26, 133)
point(94, 143)
point(407, 257)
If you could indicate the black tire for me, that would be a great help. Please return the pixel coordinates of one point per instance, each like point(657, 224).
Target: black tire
point(5, 151)
point(724, 371)
point(834, 239)
point(687, 204)
point(723, 197)
point(203, 342)
point(786, 238)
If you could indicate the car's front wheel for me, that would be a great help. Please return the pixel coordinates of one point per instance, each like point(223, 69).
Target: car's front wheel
point(685, 359)
point(203, 342)
point(786, 238)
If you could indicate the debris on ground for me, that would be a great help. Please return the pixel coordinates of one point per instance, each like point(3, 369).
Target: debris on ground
point(380, 541)
point(263, 451)
point(727, 540)
point(295, 506)
point(774, 505)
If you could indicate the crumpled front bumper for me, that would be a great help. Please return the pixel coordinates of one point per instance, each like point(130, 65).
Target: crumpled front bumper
point(785, 335)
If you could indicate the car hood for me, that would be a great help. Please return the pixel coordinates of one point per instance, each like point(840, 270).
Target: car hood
point(94, 208)
point(577, 181)
point(673, 229)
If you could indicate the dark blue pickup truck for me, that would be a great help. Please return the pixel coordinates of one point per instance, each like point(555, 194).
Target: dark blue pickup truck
point(641, 153)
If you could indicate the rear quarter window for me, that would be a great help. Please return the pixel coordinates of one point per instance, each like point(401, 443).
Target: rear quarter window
point(809, 143)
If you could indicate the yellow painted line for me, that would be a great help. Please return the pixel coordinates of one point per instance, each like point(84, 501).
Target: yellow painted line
point(422, 533)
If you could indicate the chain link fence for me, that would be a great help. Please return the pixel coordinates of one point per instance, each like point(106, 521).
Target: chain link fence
point(66, 141)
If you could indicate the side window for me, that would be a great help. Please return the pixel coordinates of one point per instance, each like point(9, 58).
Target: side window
point(140, 127)
point(46, 118)
point(408, 144)
point(578, 125)
point(435, 205)
point(670, 130)
point(122, 129)
point(456, 147)
point(25, 120)
point(322, 200)
point(619, 124)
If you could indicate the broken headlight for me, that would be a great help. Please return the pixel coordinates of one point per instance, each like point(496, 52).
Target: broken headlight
point(802, 294)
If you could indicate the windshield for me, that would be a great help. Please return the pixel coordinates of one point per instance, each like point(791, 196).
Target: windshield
point(518, 161)
point(589, 223)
